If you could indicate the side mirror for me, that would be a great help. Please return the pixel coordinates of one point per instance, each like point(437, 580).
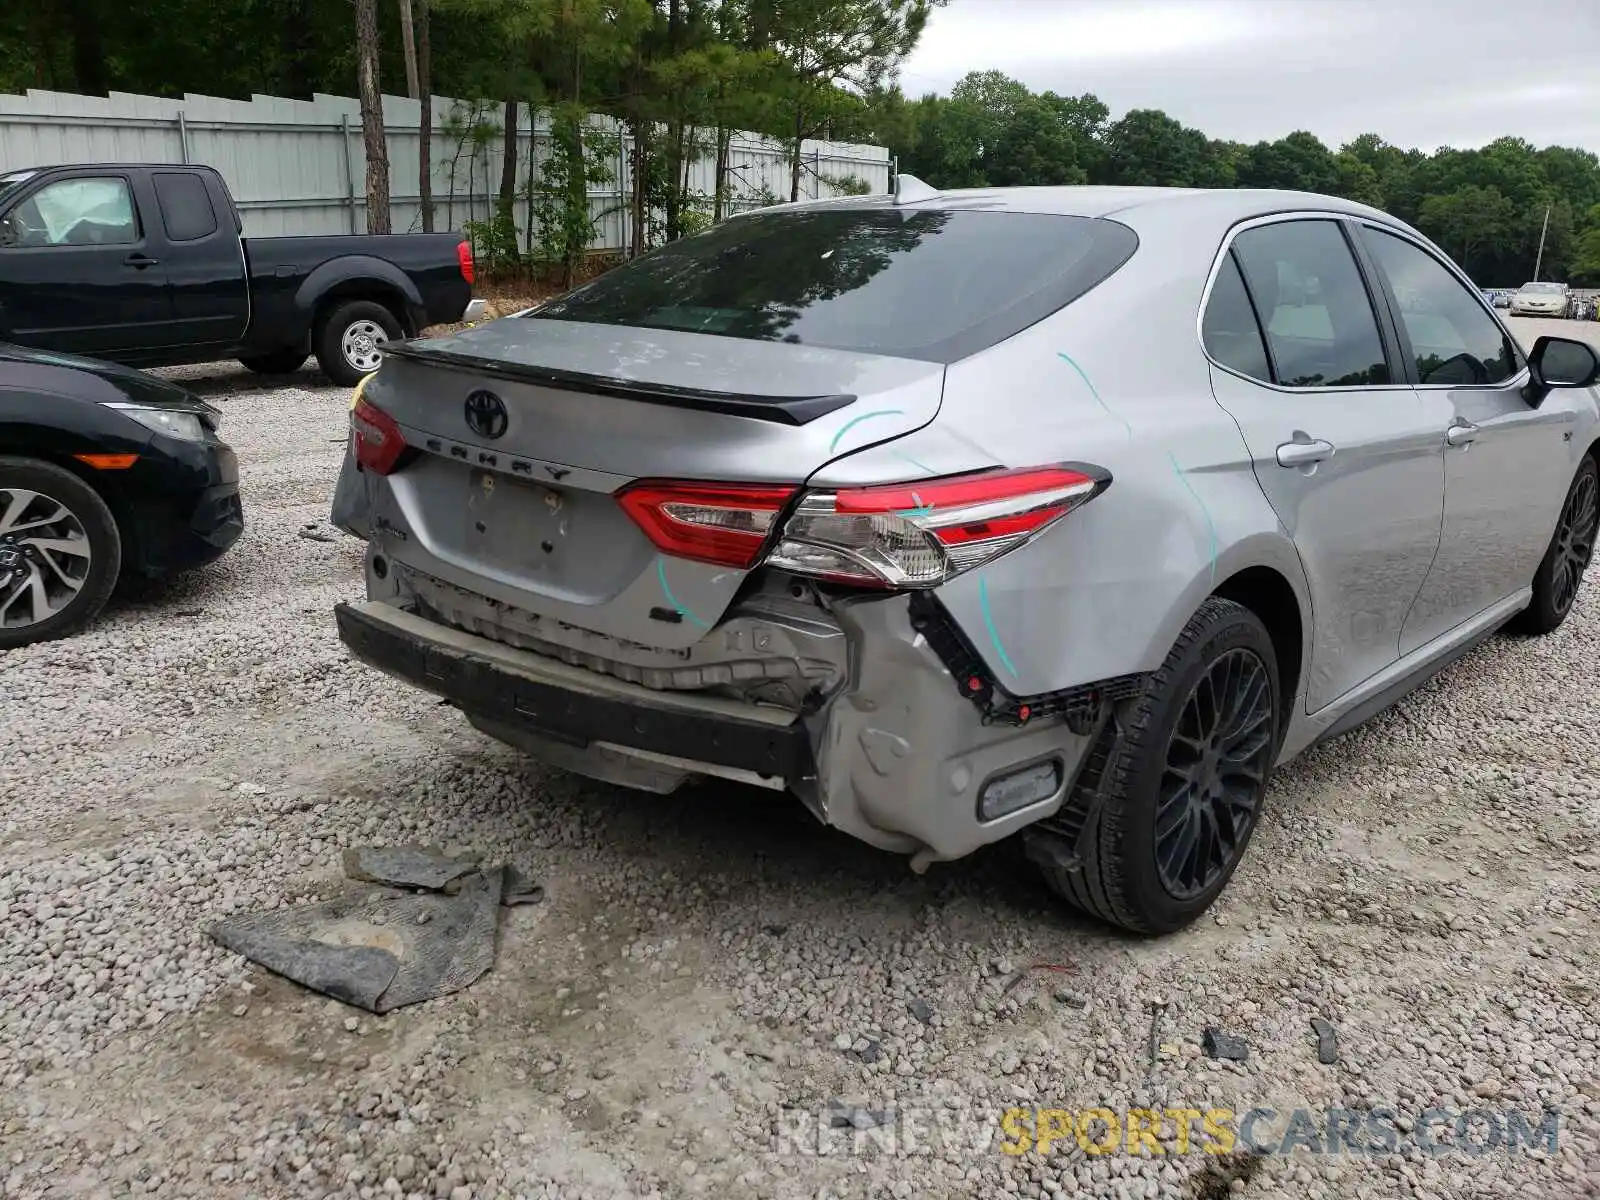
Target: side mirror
point(1558, 362)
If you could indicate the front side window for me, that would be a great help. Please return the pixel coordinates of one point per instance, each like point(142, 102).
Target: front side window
point(74, 212)
point(1453, 340)
point(1319, 320)
point(932, 284)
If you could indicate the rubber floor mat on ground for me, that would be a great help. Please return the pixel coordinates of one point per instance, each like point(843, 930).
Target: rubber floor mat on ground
point(380, 948)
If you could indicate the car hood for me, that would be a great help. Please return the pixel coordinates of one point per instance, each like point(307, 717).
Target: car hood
point(104, 381)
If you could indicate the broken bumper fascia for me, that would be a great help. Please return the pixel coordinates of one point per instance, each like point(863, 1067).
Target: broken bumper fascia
point(897, 758)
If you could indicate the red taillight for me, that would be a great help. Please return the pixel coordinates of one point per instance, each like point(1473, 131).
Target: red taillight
point(469, 269)
point(722, 523)
point(379, 442)
point(921, 534)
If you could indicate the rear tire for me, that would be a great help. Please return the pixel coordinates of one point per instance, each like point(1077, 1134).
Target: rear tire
point(59, 549)
point(1187, 768)
point(1556, 582)
point(275, 362)
point(349, 340)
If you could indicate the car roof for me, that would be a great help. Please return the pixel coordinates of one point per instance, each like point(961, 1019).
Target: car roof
point(1234, 204)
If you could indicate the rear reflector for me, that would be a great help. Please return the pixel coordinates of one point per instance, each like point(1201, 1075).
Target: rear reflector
point(469, 269)
point(1017, 790)
point(922, 534)
point(722, 523)
point(379, 442)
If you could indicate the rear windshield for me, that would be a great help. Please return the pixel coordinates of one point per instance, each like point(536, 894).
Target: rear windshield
point(929, 284)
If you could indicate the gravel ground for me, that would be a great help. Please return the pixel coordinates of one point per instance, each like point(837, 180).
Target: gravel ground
point(710, 970)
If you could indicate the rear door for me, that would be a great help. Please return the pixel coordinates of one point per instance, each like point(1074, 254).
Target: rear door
point(204, 260)
point(1507, 464)
point(79, 269)
point(1349, 455)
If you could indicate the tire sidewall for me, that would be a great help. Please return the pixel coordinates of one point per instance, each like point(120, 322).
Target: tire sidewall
point(1238, 629)
point(1545, 615)
point(105, 545)
point(330, 340)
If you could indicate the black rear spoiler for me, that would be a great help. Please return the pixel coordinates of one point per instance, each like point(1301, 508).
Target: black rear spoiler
point(785, 410)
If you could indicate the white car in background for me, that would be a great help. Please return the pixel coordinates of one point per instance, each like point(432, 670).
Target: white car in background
point(1541, 300)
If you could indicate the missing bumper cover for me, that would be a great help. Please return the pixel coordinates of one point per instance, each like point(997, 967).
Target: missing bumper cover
point(1083, 706)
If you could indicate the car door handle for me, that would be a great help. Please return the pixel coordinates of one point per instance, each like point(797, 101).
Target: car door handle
point(1463, 433)
point(1304, 454)
point(140, 261)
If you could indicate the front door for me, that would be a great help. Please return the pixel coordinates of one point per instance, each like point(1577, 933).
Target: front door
point(1507, 465)
point(76, 274)
point(1349, 455)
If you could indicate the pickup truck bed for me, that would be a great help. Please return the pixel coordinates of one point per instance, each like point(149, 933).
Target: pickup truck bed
point(145, 265)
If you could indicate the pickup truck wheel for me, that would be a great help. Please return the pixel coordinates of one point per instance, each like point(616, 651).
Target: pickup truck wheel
point(350, 340)
point(60, 552)
point(277, 362)
point(1180, 792)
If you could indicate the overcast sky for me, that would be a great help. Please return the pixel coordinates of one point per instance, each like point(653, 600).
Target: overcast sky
point(1423, 73)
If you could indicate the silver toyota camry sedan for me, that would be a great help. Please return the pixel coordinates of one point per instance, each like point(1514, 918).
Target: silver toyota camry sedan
point(1066, 513)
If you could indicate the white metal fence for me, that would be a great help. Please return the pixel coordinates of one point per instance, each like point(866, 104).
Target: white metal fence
point(298, 166)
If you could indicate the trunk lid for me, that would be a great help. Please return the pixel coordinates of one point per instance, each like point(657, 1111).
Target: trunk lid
point(525, 429)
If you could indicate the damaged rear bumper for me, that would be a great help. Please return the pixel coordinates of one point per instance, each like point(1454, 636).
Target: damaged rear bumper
point(897, 757)
point(517, 690)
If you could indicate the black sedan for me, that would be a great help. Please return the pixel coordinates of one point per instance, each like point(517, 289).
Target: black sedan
point(105, 474)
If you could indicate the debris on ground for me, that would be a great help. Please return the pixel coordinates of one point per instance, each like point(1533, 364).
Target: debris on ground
point(426, 929)
point(312, 533)
point(855, 1116)
point(920, 1009)
point(1071, 999)
point(1327, 1041)
point(520, 889)
point(423, 867)
point(1218, 1044)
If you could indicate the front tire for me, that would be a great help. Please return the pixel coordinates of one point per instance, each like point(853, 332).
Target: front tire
point(350, 340)
point(275, 362)
point(1181, 792)
point(60, 552)
point(1555, 583)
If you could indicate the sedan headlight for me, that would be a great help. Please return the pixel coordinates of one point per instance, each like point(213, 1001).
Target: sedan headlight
point(174, 423)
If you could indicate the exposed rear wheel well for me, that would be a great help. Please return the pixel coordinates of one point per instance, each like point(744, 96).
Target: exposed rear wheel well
point(1594, 452)
point(1268, 594)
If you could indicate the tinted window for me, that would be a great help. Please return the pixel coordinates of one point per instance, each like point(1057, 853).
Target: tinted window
point(1232, 335)
point(74, 212)
point(1452, 338)
point(186, 210)
point(1319, 319)
point(929, 284)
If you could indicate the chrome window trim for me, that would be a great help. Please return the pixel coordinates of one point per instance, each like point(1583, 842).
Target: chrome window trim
point(1312, 214)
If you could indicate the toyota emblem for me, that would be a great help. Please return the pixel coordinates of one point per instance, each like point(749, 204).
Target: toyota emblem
point(486, 415)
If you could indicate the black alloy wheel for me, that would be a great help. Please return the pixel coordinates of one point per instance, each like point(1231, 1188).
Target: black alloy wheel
point(1216, 765)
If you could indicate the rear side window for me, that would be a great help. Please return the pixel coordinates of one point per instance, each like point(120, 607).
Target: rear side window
point(1319, 321)
point(935, 284)
point(1229, 328)
point(186, 210)
point(1453, 340)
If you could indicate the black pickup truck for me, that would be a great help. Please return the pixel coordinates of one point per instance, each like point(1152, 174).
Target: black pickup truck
point(146, 265)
